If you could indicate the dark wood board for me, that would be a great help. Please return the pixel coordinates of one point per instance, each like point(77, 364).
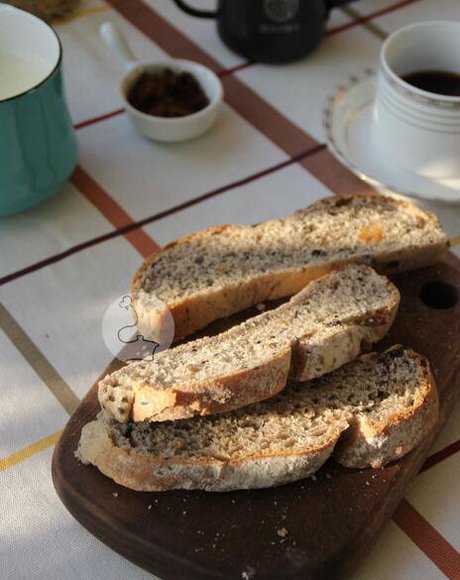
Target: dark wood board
point(331, 520)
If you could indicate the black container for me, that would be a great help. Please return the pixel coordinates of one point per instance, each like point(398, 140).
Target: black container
point(271, 31)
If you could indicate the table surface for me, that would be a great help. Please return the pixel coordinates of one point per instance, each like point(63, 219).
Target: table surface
point(64, 262)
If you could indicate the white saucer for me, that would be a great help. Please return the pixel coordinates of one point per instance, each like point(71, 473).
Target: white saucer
point(348, 122)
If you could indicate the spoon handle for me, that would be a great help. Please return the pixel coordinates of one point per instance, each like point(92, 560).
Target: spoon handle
point(117, 43)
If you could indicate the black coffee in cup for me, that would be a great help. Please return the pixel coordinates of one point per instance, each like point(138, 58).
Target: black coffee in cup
point(435, 81)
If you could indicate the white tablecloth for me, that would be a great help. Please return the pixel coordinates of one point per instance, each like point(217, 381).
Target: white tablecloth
point(62, 263)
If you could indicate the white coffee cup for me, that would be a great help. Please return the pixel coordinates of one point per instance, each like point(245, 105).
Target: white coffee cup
point(414, 128)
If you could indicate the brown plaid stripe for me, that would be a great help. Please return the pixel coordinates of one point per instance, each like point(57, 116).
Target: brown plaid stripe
point(113, 212)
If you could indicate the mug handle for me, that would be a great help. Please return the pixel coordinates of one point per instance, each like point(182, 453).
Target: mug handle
point(194, 11)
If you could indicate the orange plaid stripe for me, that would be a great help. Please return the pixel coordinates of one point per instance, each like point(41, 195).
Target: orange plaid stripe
point(428, 539)
point(112, 211)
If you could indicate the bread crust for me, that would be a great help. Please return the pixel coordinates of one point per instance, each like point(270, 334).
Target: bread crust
point(312, 360)
point(147, 473)
point(376, 444)
point(216, 396)
point(195, 311)
point(309, 355)
point(352, 438)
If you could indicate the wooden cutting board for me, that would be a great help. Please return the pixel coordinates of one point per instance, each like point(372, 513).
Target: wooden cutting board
point(318, 528)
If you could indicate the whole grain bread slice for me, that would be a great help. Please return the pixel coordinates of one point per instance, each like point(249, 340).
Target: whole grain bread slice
point(225, 269)
point(367, 413)
point(319, 329)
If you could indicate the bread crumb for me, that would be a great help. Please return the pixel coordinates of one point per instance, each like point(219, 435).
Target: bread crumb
point(149, 507)
point(184, 513)
point(115, 494)
point(261, 307)
point(313, 477)
point(282, 532)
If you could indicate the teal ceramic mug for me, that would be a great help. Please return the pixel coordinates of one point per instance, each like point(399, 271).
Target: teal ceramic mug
point(38, 149)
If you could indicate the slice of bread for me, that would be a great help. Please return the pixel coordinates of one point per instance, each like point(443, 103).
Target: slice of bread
point(321, 328)
point(368, 413)
point(225, 269)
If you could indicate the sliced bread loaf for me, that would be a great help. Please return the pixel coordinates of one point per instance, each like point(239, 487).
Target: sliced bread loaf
point(225, 269)
point(321, 328)
point(371, 411)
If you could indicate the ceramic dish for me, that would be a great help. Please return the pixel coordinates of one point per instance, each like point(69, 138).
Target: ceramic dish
point(167, 129)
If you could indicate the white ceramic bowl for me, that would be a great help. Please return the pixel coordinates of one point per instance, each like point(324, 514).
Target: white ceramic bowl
point(170, 129)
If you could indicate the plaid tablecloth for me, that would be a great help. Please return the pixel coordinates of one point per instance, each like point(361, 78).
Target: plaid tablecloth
point(62, 263)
